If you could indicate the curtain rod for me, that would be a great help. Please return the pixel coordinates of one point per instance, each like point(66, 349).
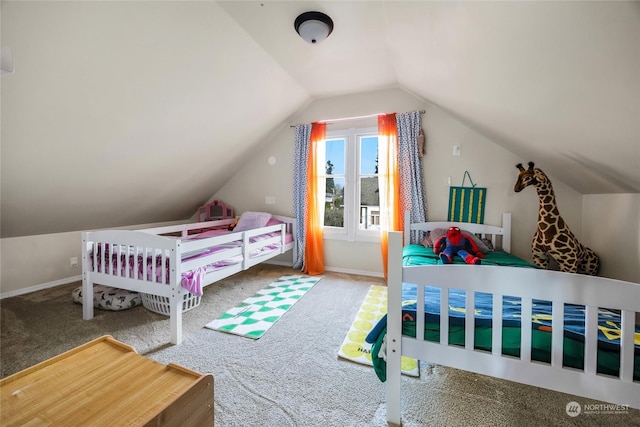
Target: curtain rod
point(347, 119)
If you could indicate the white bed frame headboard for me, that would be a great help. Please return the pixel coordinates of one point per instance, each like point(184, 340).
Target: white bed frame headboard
point(490, 232)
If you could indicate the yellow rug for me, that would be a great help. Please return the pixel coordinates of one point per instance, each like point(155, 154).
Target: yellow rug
point(354, 346)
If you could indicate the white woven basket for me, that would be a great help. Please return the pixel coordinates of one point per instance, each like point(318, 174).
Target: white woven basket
point(160, 305)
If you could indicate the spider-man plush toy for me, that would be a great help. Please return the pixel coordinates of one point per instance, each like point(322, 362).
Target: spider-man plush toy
point(456, 243)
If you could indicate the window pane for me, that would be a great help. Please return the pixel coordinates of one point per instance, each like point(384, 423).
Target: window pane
point(369, 204)
point(368, 155)
point(334, 203)
point(335, 156)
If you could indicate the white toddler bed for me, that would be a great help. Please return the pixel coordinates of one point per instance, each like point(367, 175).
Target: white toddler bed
point(530, 285)
point(175, 261)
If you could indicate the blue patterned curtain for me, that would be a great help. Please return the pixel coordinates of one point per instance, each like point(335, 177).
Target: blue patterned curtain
point(412, 192)
point(300, 162)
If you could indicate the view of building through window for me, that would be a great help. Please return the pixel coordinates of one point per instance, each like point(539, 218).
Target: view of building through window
point(369, 190)
point(352, 199)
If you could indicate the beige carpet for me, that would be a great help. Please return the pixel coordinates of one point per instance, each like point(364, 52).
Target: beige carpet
point(292, 375)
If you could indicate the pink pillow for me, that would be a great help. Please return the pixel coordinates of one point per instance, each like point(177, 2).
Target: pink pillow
point(251, 220)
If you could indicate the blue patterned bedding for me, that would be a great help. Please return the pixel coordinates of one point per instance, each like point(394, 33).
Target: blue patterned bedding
point(609, 331)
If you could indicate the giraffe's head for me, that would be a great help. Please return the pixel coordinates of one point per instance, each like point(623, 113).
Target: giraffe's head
point(526, 177)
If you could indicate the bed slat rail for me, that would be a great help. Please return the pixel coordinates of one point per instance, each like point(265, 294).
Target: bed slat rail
point(184, 229)
point(591, 339)
point(558, 288)
point(557, 333)
point(420, 309)
point(496, 322)
point(145, 264)
point(136, 266)
point(469, 324)
point(627, 345)
point(249, 248)
point(525, 329)
point(227, 253)
point(500, 236)
point(191, 246)
point(279, 239)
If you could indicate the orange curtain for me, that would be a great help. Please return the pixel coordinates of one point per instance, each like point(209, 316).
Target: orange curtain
point(389, 183)
point(314, 245)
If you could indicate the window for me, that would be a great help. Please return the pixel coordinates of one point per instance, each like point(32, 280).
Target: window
point(352, 203)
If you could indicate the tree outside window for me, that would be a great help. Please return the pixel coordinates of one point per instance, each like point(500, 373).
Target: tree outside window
point(352, 199)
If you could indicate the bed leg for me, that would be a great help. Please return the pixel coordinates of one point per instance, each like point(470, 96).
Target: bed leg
point(394, 329)
point(87, 298)
point(175, 313)
point(394, 374)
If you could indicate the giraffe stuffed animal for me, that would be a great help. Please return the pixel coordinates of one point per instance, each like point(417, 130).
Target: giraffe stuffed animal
point(553, 238)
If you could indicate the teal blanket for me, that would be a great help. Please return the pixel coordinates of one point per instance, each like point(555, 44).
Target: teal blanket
point(419, 255)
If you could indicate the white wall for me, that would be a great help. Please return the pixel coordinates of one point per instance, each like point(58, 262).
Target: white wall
point(611, 226)
point(35, 262)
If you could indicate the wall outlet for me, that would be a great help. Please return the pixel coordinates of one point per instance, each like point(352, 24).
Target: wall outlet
point(457, 150)
point(269, 200)
point(74, 262)
point(446, 181)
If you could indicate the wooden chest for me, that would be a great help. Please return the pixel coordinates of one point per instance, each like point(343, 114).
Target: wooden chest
point(105, 382)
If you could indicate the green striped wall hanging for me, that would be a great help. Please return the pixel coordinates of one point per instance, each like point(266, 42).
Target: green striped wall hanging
point(466, 204)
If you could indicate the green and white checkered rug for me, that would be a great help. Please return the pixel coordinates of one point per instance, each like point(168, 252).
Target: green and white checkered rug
point(255, 315)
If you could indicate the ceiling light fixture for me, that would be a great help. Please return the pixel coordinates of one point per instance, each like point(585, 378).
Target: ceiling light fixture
point(313, 27)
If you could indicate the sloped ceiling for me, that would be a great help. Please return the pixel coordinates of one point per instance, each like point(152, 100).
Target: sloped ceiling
point(558, 82)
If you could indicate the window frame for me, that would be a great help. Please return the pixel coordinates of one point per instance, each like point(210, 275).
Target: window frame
point(352, 166)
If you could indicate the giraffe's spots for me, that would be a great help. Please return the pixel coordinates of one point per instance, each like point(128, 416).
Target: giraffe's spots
point(553, 238)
